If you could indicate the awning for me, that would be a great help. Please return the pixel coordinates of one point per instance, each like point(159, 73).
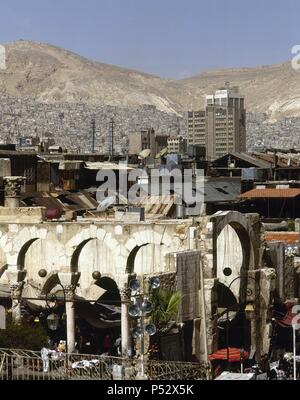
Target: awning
point(285, 317)
point(234, 354)
point(89, 312)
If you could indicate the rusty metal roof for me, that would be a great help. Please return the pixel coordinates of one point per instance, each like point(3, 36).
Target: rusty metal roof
point(79, 201)
point(286, 237)
point(271, 193)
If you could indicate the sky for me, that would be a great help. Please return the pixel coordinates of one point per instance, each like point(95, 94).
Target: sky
point(170, 38)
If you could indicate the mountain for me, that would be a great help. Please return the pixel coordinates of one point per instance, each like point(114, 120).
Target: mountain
point(50, 74)
point(274, 90)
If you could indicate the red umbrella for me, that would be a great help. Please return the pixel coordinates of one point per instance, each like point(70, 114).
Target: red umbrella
point(234, 354)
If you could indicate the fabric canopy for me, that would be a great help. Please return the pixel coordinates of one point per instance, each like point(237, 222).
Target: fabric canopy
point(285, 317)
point(234, 354)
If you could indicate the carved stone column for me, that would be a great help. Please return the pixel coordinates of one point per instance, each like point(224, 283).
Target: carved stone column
point(12, 188)
point(70, 317)
point(16, 284)
point(125, 323)
point(69, 281)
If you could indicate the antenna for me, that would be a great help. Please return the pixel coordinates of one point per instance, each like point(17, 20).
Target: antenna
point(111, 139)
point(93, 135)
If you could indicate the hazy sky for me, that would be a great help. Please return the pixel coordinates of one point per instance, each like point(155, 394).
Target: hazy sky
point(170, 38)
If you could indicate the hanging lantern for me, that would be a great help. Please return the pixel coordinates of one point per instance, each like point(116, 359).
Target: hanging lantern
point(52, 322)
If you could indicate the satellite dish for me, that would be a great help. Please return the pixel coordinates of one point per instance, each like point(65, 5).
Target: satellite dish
point(134, 285)
point(144, 154)
point(154, 282)
point(109, 201)
point(150, 329)
point(162, 153)
point(137, 332)
point(146, 307)
point(134, 310)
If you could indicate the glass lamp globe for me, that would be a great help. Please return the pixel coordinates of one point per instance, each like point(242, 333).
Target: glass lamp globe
point(52, 321)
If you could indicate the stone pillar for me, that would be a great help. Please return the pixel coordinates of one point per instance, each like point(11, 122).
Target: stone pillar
point(70, 316)
point(12, 188)
point(211, 322)
point(16, 293)
point(69, 282)
point(259, 290)
point(125, 323)
point(16, 283)
point(267, 284)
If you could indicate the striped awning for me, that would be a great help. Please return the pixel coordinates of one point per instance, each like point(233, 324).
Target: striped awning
point(235, 355)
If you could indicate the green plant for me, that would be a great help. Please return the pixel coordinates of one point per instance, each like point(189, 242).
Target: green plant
point(291, 225)
point(23, 336)
point(165, 305)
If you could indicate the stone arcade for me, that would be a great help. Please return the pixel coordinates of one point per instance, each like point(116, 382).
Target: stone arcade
point(28, 243)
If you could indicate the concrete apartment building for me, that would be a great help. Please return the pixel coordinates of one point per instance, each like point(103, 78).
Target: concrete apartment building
point(176, 145)
point(221, 127)
point(146, 139)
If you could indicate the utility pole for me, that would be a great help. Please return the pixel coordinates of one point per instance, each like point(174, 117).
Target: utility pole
point(93, 134)
point(111, 139)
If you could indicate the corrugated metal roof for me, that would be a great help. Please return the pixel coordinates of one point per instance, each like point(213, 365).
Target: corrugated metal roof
point(221, 190)
point(61, 200)
point(271, 193)
point(156, 206)
point(106, 166)
point(252, 159)
point(249, 158)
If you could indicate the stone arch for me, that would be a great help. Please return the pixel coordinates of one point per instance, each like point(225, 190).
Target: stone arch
point(90, 255)
point(143, 238)
point(16, 246)
point(22, 253)
point(147, 259)
point(131, 258)
point(39, 253)
point(76, 254)
point(246, 227)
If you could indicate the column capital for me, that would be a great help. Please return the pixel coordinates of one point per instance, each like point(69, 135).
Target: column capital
point(16, 289)
point(13, 185)
point(70, 292)
point(125, 294)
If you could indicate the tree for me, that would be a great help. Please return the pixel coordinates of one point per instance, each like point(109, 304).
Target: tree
point(23, 336)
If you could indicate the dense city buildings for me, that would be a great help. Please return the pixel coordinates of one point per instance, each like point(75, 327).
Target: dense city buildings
point(147, 139)
point(221, 128)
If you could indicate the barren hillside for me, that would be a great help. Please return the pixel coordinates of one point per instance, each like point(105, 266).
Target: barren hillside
point(49, 74)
